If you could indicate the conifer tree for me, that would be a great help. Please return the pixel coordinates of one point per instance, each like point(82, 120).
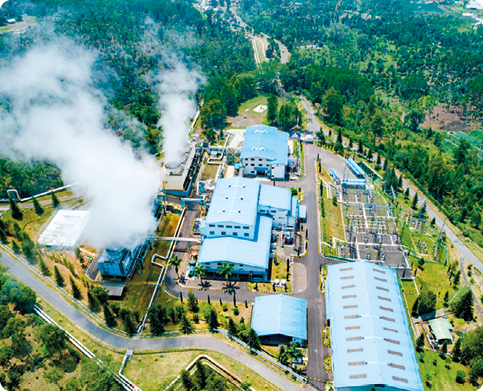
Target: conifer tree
point(186, 325)
point(420, 342)
point(463, 308)
point(44, 269)
point(76, 292)
point(456, 352)
point(39, 211)
point(201, 375)
point(109, 316)
point(253, 340)
point(213, 320)
point(15, 247)
point(55, 200)
point(129, 326)
point(186, 380)
point(93, 304)
point(59, 280)
point(414, 205)
point(192, 302)
point(14, 209)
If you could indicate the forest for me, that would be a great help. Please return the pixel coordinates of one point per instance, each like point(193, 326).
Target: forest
point(376, 70)
point(133, 39)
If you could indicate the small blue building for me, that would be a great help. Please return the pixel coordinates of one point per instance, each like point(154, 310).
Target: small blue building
point(335, 176)
point(369, 331)
point(355, 168)
point(280, 319)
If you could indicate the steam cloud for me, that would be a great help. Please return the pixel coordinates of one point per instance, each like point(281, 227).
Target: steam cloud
point(176, 91)
point(54, 113)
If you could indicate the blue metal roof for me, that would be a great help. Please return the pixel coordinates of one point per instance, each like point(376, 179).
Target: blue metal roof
point(267, 142)
point(302, 212)
point(349, 182)
point(334, 173)
point(370, 337)
point(253, 253)
point(234, 199)
point(275, 197)
point(355, 167)
point(295, 207)
point(280, 314)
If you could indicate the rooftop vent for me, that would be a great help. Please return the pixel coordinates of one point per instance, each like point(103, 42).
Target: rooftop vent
point(260, 131)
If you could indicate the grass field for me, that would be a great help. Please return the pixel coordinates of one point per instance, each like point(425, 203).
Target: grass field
point(156, 370)
point(332, 222)
point(434, 278)
point(441, 372)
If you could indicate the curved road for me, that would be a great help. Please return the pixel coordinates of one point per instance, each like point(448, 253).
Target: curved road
point(201, 342)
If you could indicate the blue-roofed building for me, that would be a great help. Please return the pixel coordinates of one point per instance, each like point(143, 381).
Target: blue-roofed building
point(355, 168)
point(353, 183)
point(280, 319)
point(233, 209)
point(278, 203)
point(265, 152)
point(238, 226)
point(369, 331)
point(250, 257)
point(335, 176)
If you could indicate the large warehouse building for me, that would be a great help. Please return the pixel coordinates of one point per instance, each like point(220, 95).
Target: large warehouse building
point(370, 337)
point(280, 319)
point(238, 226)
point(265, 152)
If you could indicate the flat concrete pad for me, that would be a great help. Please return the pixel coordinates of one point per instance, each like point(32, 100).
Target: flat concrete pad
point(300, 277)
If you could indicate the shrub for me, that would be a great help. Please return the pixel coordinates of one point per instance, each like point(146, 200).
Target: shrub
point(460, 376)
point(225, 307)
point(236, 311)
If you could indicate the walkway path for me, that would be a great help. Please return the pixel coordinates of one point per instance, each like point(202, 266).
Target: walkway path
point(200, 342)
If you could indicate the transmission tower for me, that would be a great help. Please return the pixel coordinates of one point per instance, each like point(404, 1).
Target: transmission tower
point(420, 223)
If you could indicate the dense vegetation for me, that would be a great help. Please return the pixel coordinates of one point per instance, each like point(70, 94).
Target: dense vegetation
point(376, 70)
point(134, 40)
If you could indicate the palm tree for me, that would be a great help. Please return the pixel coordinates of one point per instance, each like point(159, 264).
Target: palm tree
point(292, 352)
point(200, 271)
point(225, 270)
point(175, 262)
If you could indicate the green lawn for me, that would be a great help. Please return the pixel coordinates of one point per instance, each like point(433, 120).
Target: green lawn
point(279, 270)
point(441, 372)
point(210, 171)
point(434, 278)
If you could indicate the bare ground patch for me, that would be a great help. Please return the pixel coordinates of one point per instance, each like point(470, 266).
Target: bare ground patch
point(451, 119)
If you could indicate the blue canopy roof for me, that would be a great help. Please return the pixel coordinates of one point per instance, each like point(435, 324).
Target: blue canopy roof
point(280, 314)
point(355, 167)
point(370, 338)
point(247, 252)
point(275, 197)
point(267, 142)
point(234, 199)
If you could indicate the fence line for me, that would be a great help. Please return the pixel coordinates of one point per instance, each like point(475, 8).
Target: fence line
point(267, 357)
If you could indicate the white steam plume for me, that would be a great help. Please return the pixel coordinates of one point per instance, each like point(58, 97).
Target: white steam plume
point(55, 114)
point(176, 90)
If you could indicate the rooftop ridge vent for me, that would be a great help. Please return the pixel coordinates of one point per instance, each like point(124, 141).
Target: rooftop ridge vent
point(260, 131)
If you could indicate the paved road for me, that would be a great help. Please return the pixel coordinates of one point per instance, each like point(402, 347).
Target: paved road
point(44, 202)
point(201, 342)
